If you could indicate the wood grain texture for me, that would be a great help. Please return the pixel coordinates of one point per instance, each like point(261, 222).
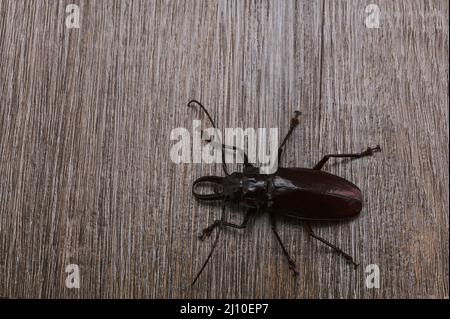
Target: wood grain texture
point(85, 120)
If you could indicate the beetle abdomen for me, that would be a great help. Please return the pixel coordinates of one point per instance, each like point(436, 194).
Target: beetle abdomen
point(312, 194)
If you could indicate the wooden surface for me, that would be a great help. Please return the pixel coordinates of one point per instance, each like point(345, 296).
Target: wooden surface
point(85, 120)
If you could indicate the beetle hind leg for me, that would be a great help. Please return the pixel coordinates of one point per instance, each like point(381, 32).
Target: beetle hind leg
point(337, 249)
point(291, 261)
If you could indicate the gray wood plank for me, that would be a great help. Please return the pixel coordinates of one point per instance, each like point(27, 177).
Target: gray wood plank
point(86, 116)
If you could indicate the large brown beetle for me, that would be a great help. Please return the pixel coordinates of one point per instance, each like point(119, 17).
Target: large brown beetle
point(309, 194)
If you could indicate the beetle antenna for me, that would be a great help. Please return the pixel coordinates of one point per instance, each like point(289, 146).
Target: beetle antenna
point(224, 165)
point(216, 240)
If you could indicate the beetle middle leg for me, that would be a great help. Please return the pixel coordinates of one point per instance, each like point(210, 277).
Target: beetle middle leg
point(337, 249)
point(207, 231)
point(291, 261)
point(369, 151)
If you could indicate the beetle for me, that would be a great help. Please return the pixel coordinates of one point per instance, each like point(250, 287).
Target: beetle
point(308, 194)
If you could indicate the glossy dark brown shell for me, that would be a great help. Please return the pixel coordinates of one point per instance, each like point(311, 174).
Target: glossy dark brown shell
point(312, 194)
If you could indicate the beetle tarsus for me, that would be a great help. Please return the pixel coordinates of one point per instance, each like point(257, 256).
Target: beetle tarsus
point(350, 259)
point(208, 230)
point(370, 151)
point(294, 123)
point(294, 120)
point(202, 236)
point(293, 266)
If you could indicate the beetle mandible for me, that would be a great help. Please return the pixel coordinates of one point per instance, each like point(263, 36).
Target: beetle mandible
point(308, 194)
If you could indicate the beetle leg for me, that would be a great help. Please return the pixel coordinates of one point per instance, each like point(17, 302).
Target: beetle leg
point(369, 151)
point(213, 246)
point(207, 231)
point(236, 150)
point(291, 261)
point(294, 123)
point(337, 249)
point(232, 148)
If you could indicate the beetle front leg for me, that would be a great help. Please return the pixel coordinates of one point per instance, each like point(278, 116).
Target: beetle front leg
point(291, 261)
point(369, 151)
point(337, 249)
point(208, 230)
point(294, 123)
